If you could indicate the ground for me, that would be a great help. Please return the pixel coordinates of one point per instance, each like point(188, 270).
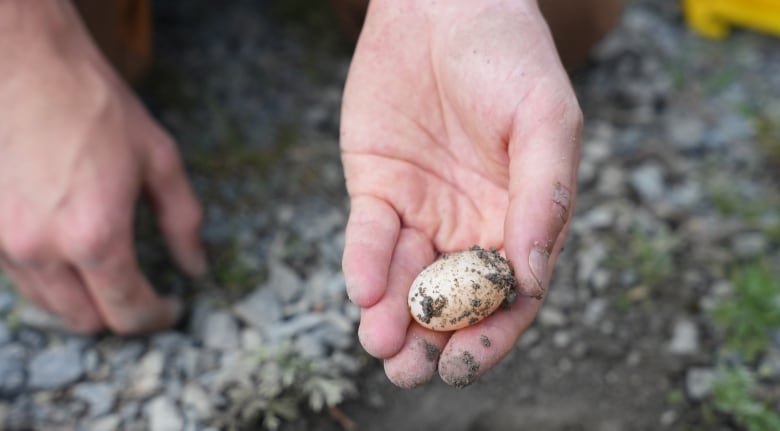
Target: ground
point(678, 213)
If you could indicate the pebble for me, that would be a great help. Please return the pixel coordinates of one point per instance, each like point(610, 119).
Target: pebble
point(105, 423)
point(5, 335)
point(220, 332)
point(146, 379)
point(648, 181)
point(56, 367)
point(260, 309)
point(685, 338)
point(594, 310)
point(7, 300)
point(12, 373)
point(284, 281)
point(100, 396)
point(749, 245)
point(699, 382)
point(163, 415)
point(552, 317)
point(195, 397)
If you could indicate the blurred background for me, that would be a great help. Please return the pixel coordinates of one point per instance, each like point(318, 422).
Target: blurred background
point(665, 307)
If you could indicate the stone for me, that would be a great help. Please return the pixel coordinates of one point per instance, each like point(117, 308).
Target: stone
point(105, 423)
point(197, 399)
point(284, 281)
point(594, 310)
point(5, 334)
point(552, 317)
point(699, 382)
point(749, 245)
point(648, 181)
point(12, 374)
point(220, 332)
point(561, 339)
point(99, 396)
point(260, 308)
point(163, 415)
point(7, 300)
point(146, 380)
point(56, 367)
point(685, 338)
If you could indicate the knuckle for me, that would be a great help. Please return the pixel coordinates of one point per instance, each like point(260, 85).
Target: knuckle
point(90, 239)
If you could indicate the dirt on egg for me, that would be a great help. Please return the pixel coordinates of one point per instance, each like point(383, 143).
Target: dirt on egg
point(462, 288)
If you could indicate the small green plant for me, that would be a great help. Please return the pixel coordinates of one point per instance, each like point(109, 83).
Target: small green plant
point(736, 393)
point(277, 384)
point(650, 255)
point(752, 311)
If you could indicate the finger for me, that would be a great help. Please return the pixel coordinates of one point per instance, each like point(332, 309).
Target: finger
point(543, 165)
point(121, 293)
point(66, 295)
point(474, 350)
point(383, 326)
point(372, 232)
point(178, 212)
point(417, 361)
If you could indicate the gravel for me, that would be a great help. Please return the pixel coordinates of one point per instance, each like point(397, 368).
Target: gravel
point(668, 180)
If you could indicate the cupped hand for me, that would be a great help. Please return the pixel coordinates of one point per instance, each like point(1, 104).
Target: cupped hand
point(459, 127)
point(76, 149)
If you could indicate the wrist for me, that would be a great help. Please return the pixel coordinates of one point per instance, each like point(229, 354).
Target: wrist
point(31, 31)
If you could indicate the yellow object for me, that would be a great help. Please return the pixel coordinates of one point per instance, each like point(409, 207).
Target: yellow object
point(714, 18)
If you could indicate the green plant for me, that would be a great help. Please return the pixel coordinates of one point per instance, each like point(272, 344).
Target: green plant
point(277, 384)
point(736, 393)
point(752, 311)
point(649, 254)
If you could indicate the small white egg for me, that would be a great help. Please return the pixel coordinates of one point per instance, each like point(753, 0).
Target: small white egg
point(462, 288)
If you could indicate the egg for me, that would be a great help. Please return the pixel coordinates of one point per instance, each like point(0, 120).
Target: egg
point(460, 289)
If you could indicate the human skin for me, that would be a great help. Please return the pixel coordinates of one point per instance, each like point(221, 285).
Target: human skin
point(76, 151)
point(459, 127)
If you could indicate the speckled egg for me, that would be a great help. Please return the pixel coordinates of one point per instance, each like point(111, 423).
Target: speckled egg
point(462, 288)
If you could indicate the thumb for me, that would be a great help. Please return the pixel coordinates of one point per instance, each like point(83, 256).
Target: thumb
point(542, 189)
point(178, 213)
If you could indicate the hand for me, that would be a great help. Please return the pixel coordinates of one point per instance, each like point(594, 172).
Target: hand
point(460, 127)
point(76, 149)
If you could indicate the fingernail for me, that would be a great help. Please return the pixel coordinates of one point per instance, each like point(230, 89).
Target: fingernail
point(537, 262)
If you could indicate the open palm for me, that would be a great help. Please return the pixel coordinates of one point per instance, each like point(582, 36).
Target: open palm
point(459, 127)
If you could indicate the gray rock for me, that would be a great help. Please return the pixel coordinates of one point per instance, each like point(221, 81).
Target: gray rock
point(220, 331)
point(125, 355)
point(310, 346)
point(296, 325)
point(685, 338)
point(163, 415)
point(260, 309)
point(146, 379)
point(5, 334)
point(56, 367)
point(196, 398)
point(699, 382)
point(552, 317)
point(7, 300)
point(648, 181)
point(594, 311)
point(12, 373)
point(99, 396)
point(749, 245)
point(686, 131)
point(769, 368)
point(106, 423)
point(284, 281)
